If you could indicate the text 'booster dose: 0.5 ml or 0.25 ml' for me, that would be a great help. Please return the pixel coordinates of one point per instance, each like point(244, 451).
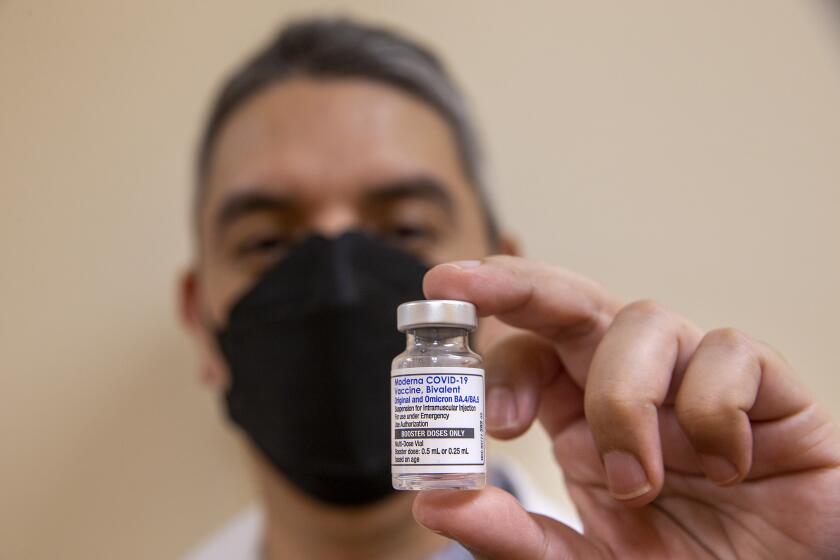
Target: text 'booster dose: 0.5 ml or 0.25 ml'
point(437, 399)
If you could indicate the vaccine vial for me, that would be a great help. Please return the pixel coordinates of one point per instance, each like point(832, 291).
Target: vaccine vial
point(437, 399)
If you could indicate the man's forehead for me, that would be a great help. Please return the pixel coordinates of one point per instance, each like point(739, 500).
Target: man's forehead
point(339, 132)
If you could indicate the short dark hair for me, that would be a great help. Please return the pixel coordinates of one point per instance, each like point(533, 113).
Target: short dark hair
point(340, 47)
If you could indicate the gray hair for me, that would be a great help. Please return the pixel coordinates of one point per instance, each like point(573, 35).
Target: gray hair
point(339, 47)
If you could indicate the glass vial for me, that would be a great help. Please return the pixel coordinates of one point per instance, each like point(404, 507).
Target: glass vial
point(437, 399)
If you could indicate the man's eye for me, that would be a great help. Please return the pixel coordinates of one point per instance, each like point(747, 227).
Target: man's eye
point(406, 233)
point(261, 245)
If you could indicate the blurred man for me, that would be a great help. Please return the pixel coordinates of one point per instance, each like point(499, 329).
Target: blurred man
point(340, 174)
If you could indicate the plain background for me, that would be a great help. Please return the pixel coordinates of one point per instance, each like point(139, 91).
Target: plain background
point(682, 151)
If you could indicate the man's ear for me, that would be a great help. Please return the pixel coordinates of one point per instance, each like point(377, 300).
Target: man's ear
point(508, 245)
point(211, 368)
point(188, 306)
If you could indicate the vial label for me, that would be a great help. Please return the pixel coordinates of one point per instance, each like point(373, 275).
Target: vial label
point(437, 420)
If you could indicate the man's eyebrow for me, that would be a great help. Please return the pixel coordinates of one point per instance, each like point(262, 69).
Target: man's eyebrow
point(421, 186)
point(241, 204)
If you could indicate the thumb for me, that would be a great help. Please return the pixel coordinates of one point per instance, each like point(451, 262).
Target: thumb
point(492, 524)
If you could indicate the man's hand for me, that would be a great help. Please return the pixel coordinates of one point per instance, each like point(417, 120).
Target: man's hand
point(674, 443)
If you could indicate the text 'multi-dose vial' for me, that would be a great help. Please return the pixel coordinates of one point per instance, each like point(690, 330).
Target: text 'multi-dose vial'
point(437, 399)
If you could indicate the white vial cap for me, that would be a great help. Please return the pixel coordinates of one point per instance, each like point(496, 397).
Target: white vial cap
point(436, 313)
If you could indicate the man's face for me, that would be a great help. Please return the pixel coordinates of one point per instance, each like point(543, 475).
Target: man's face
point(326, 156)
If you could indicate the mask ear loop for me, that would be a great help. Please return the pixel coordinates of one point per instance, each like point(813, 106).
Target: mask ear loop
point(214, 331)
point(213, 334)
point(208, 323)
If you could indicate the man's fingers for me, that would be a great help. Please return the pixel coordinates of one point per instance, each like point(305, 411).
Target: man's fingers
point(730, 381)
point(719, 388)
point(493, 525)
point(519, 367)
point(489, 522)
point(550, 301)
point(629, 379)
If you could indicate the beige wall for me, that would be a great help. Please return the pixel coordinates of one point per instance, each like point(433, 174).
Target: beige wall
point(688, 152)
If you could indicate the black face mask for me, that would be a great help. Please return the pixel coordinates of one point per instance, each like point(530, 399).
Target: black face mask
point(309, 348)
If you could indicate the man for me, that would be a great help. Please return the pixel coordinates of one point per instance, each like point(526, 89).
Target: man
point(338, 166)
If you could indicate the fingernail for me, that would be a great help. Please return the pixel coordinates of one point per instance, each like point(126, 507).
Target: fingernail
point(625, 475)
point(465, 264)
point(437, 531)
point(718, 470)
point(441, 533)
point(501, 407)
